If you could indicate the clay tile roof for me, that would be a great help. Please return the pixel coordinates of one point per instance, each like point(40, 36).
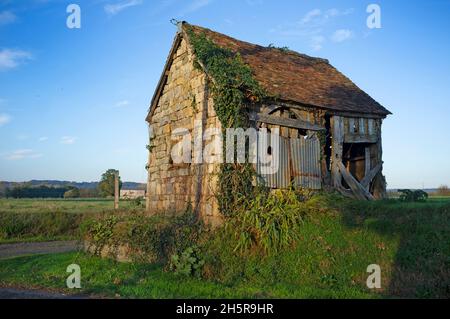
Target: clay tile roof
point(299, 78)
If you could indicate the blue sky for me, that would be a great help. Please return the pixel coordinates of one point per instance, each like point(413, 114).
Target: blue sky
point(73, 101)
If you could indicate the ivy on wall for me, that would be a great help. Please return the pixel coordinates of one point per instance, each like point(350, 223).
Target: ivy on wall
point(233, 88)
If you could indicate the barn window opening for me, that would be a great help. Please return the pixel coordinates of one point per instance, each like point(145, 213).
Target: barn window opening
point(302, 133)
point(269, 150)
point(292, 115)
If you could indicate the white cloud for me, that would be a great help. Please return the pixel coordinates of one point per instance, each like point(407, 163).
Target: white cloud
point(113, 9)
point(68, 140)
point(317, 42)
point(311, 26)
point(331, 13)
point(311, 16)
point(195, 5)
point(10, 58)
point(22, 154)
point(198, 4)
point(341, 35)
point(4, 119)
point(122, 103)
point(7, 17)
point(43, 139)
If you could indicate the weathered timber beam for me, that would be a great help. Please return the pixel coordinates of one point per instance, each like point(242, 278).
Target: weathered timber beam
point(337, 125)
point(356, 138)
point(359, 191)
point(370, 176)
point(346, 192)
point(299, 124)
point(367, 161)
point(306, 107)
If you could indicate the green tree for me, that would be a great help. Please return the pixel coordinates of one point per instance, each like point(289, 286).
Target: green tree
point(106, 185)
point(72, 193)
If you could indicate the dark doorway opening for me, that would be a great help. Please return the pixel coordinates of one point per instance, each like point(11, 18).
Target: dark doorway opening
point(354, 159)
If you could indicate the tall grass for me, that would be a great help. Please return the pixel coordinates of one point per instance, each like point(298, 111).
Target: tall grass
point(44, 225)
point(51, 219)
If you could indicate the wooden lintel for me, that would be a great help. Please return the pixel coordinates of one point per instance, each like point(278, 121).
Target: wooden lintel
point(370, 176)
point(293, 123)
point(357, 138)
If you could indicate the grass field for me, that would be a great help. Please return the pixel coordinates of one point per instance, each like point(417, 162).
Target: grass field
point(410, 242)
point(50, 219)
point(84, 206)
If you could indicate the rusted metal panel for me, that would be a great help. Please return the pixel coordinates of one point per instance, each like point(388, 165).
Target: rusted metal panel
point(305, 159)
point(280, 178)
point(283, 177)
point(298, 159)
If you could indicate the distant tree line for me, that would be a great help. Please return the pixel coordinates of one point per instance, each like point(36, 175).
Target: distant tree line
point(105, 188)
point(41, 191)
point(443, 190)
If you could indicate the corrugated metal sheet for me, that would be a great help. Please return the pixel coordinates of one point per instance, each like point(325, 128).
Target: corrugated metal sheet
point(281, 178)
point(305, 158)
point(298, 159)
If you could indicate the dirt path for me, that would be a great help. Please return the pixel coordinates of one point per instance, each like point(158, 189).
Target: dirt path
point(18, 293)
point(51, 247)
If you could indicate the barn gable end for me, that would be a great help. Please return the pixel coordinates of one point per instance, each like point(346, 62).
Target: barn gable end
point(181, 107)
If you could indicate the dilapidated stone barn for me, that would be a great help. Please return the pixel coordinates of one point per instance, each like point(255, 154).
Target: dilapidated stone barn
point(330, 129)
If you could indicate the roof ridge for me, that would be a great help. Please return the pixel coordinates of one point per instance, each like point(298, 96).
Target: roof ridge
point(288, 51)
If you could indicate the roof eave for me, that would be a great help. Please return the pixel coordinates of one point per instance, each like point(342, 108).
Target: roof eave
point(163, 78)
point(275, 100)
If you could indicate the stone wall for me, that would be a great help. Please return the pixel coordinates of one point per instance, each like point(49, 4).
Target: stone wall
point(184, 104)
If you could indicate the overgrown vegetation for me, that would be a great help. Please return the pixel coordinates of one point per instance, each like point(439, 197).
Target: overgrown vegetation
point(337, 239)
point(146, 238)
point(408, 195)
point(233, 88)
point(269, 222)
point(189, 263)
point(51, 219)
point(45, 225)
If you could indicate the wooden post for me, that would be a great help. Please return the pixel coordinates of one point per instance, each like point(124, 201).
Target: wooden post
point(337, 125)
point(116, 191)
point(367, 161)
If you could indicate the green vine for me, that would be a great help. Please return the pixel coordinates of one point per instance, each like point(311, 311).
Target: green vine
point(233, 87)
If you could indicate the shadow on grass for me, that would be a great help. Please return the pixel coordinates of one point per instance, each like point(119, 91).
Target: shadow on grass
point(421, 267)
